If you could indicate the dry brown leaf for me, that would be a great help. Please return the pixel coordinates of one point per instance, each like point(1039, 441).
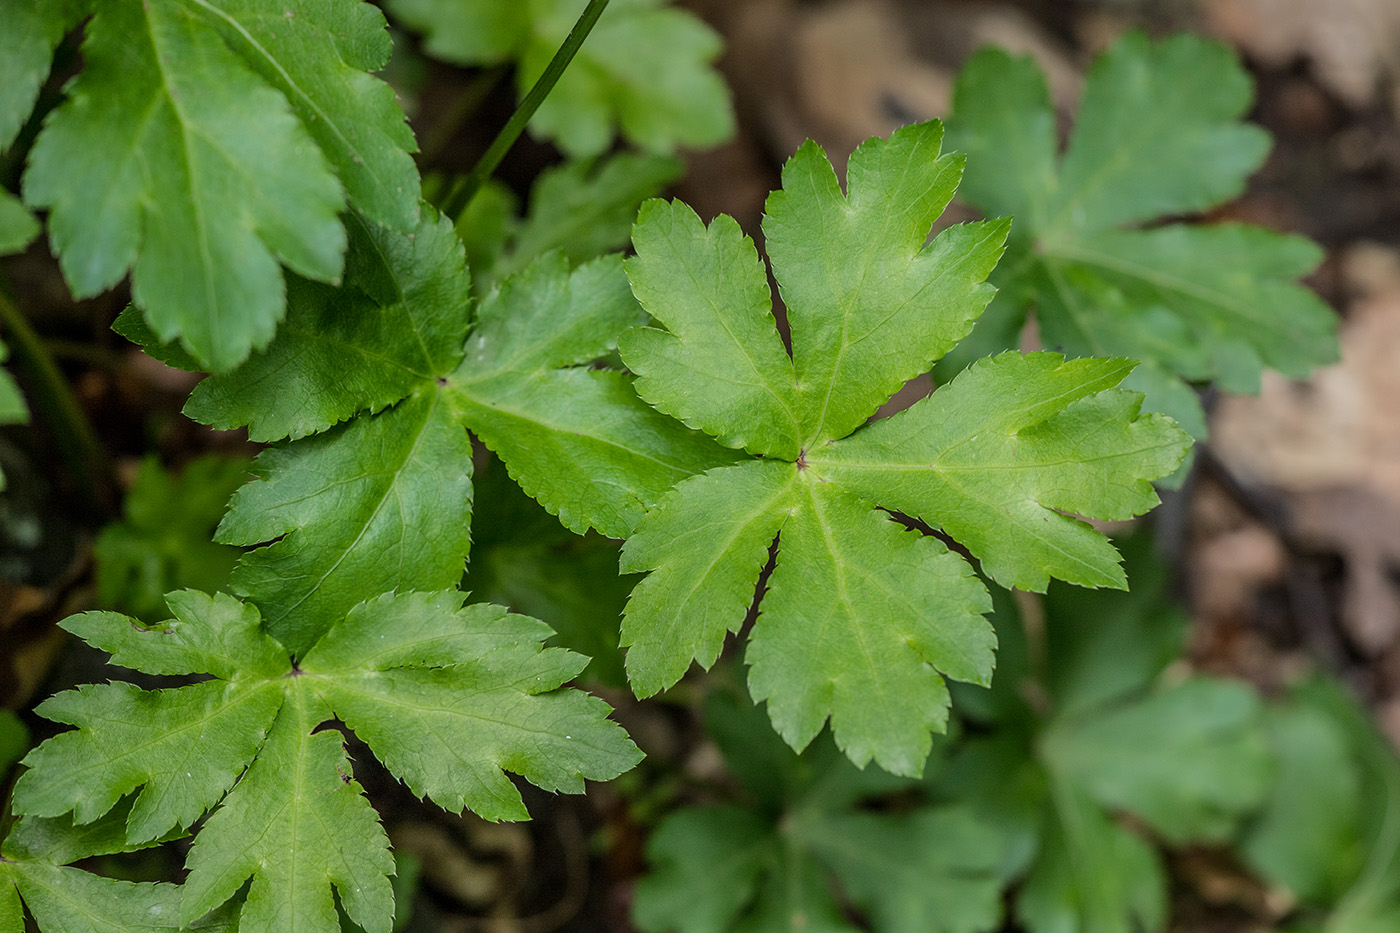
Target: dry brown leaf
point(1353, 45)
point(1331, 446)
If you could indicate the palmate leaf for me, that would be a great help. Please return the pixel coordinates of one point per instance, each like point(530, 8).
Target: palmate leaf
point(1188, 758)
point(34, 862)
point(258, 121)
point(862, 619)
point(398, 668)
point(770, 865)
point(645, 68)
point(384, 374)
point(1158, 135)
point(383, 500)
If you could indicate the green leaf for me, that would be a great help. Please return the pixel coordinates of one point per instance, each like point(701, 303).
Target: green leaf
point(1340, 847)
point(14, 740)
point(870, 305)
point(18, 227)
point(1107, 645)
point(75, 901)
point(719, 330)
point(1308, 838)
point(583, 208)
point(1189, 759)
point(378, 504)
point(321, 55)
point(296, 822)
point(208, 730)
point(524, 559)
point(645, 69)
point(346, 350)
point(706, 544)
point(32, 32)
point(777, 865)
point(201, 197)
point(1091, 875)
point(413, 676)
point(297, 797)
point(577, 440)
point(935, 870)
point(997, 456)
point(1158, 135)
point(727, 846)
point(862, 620)
point(162, 542)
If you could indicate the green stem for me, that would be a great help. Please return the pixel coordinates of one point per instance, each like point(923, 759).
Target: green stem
point(462, 193)
point(72, 431)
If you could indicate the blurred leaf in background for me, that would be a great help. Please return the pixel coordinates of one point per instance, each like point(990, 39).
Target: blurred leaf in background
point(767, 860)
point(163, 541)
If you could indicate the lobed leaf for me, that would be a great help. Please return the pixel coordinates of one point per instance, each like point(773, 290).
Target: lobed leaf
point(298, 825)
point(201, 197)
point(396, 669)
point(870, 305)
point(706, 544)
point(182, 747)
point(383, 502)
point(645, 68)
point(322, 55)
point(577, 440)
point(360, 347)
point(458, 696)
point(1158, 135)
point(996, 456)
point(709, 289)
point(860, 618)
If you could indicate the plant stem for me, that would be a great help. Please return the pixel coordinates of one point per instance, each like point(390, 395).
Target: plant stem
point(71, 429)
point(464, 190)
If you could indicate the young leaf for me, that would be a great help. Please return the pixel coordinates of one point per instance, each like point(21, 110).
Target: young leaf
point(1158, 135)
point(295, 822)
point(162, 542)
point(863, 620)
point(645, 68)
